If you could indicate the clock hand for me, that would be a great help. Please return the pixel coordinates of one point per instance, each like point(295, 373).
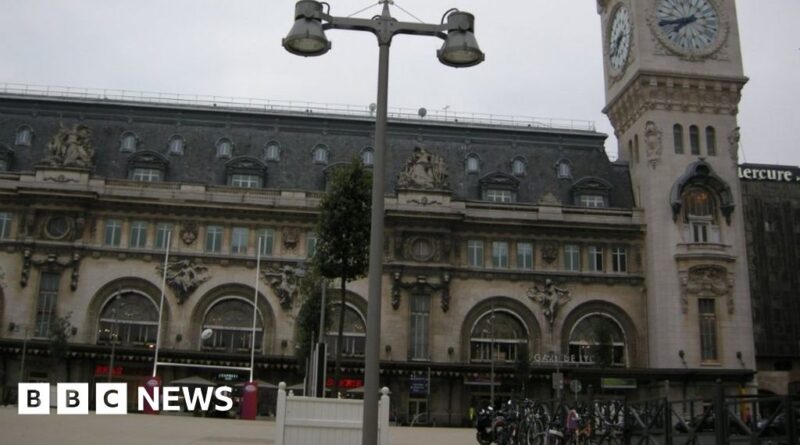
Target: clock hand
point(679, 23)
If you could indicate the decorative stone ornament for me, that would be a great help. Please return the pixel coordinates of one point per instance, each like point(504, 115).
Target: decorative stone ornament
point(549, 252)
point(421, 286)
point(652, 139)
point(733, 144)
point(291, 237)
point(71, 147)
point(707, 281)
point(424, 170)
point(550, 298)
point(184, 277)
point(189, 232)
point(284, 281)
point(58, 260)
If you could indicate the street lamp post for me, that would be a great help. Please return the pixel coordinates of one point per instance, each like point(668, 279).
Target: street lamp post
point(460, 49)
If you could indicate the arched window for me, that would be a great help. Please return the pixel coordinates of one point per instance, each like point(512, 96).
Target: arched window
point(231, 323)
point(518, 167)
point(368, 157)
point(24, 136)
point(502, 328)
point(272, 151)
point(128, 142)
point(320, 154)
point(711, 141)
point(354, 333)
point(598, 339)
point(473, 164)
point(699, 214)
point(694, 139)
point(677, 136)
point(176, 145)
point(128, 318)
point(224, 148)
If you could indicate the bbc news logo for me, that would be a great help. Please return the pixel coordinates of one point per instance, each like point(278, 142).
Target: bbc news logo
point(112, 398)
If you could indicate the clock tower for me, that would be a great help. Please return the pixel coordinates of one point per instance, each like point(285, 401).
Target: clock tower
point(673, 78)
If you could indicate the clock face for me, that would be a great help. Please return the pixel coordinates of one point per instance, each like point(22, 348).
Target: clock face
point(619, 39)
point(688, 25)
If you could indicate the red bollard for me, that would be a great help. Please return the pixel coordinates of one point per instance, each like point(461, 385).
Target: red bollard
point(152, 386)
point(249, 403)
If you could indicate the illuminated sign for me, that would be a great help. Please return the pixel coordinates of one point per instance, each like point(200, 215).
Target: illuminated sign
point(345, 383)
point(767, 173)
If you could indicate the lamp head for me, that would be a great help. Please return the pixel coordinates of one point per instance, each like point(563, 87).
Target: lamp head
point(460, 48)
point(307, 38)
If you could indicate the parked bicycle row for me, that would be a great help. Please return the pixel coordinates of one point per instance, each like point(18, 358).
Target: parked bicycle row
point(753, 420)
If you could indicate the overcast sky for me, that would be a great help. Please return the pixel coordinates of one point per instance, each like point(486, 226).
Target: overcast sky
point(543, 58)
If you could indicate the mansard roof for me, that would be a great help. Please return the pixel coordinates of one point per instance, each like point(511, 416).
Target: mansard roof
point(298, 133)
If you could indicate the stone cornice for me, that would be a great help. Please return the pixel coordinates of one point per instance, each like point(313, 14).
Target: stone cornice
point(649, 91)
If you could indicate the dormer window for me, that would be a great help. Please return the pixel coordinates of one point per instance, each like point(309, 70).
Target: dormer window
point(176, 145)
point(147, 166)
point(473, 163)
point(246, 172)
point(518, 166)
point(591, 192)
point(224, 148)
point(320, 154)
point(495, 195)
point(563, 169)
point(589, 200)
point(272, 151)
point(24, 136)
point(6, 156)
point(128, 142)
point(368, 157)
point(142, 174)
point(499, 187)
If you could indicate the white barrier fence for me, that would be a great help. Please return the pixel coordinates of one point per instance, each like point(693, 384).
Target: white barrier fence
point(312, 420)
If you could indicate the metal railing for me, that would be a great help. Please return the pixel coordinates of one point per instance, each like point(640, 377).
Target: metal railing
point(293, 107)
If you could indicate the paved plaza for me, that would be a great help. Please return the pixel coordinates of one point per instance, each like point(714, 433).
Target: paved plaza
point(138, 429)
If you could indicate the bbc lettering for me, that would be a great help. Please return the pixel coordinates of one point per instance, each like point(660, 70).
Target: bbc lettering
point(111, 398)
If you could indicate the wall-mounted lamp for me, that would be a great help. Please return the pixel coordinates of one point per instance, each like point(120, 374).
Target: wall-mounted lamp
point(741, 360)
point(284, 343)
point(682, 355)
point(388, 349)
point(178, 337)
point(12, 326)
point(74, 331)
point(450, 350)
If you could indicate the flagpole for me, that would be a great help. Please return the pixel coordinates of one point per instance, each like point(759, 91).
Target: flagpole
point(255, 310)
point(161, 304)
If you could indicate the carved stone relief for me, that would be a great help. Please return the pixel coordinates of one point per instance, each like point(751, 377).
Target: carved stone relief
point(71, 147)
point(652, 139)
point(284, 281)
point(706, 282)
point(421, 286)
point(549, 252)
point(550, 298)
point(189, 232)
point(184, 277)
point(291, 237)
point(53, 260)
point(424, 170)
point(549, 199)
point(733, 144)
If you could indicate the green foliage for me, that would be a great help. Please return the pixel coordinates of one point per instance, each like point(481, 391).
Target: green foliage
point(344, 223)
point(308, 316)
point(59, 333)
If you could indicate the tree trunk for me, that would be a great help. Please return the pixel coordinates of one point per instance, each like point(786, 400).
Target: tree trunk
point(337, 372)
